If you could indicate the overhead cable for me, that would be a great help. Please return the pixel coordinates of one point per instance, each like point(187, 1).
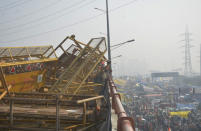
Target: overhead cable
point(42, 17)
point(67, 26)
point(50, 20)
point(31, 13)
point(16, 5)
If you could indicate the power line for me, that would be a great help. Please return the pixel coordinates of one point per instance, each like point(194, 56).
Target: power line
point(67, 26)
point(31, 13)
point(43, 17)
point(17, 4)
point(9, 4)
point(56, 29)
point(52, 19)
point(123, 5)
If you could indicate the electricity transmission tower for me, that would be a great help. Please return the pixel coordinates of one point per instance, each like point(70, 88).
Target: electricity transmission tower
point(187, 61)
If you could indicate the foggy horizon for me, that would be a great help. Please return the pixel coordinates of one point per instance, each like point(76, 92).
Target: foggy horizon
point(156, 26)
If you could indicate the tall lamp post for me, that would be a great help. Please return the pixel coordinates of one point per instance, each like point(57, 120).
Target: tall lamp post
point(108, 34)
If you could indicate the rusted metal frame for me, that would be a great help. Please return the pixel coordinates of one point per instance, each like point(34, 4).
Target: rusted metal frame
point(78, 71)
point(5, 92)
point(54, 52)
point(29, 119)
point(3, 80)
point(53, 94)
point(57, 114)
point(28, 62)
point(84, 113)
point(24, 47)
point(74, 126)
point(90, 99)
point(39, 129)
point(3, 51)
point(91, 125)
point(88, 74)
point(84, 101)
point(44, 117)
point(25, 118)
point(75, 74)
point(40, 51)
point(22, 56)
point(79, 77)
point(11, 112)
point(28, 53)
point(64, 121)
point(70, 47)
point(28, 99)
point(46, 51)
point(51, 47)
point(68, 69)
point(104, 58)
point(26, 128)
point(101, 52)
point(82, 73)
point(10, 54)
point(62, 42)
point(42, 54)
point(93, 66)
point(63, 49)
point(124, 122)
point(58, 46)
point(20, 52)
point(78, 43)
point(32, 100)
point(84, 86)
point(42, 104)
point(81, 54)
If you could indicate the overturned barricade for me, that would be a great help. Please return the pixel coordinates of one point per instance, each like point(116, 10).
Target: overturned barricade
point(62, 88)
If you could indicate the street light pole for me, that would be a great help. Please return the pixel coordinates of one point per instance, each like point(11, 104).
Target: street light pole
point(108, 35)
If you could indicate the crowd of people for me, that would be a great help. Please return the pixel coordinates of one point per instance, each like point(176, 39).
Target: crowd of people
point(157, 119)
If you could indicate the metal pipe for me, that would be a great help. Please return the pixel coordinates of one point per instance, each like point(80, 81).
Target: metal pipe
point(89, 99)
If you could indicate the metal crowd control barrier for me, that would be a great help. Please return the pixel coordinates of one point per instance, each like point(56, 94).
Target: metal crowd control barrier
point(124, 122)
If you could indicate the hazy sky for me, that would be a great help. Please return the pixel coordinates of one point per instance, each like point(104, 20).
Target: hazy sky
point(156, 25)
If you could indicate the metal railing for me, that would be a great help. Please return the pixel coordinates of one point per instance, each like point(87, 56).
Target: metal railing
point(124, 122)
point(44, 100)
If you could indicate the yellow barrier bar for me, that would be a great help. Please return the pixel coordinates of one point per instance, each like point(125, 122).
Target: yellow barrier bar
point(27, 62)
point(5, 92)
point(90, 99)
